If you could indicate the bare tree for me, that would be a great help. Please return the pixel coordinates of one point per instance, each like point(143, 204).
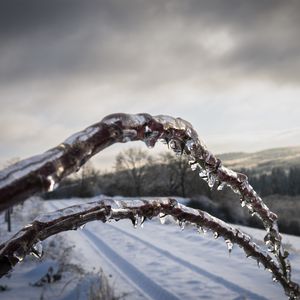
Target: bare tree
point(88, 180)
point(176, 171)
point(134, 162)
point(41, 173)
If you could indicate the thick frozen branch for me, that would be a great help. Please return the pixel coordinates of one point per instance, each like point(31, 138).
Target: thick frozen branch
point(73, 217)
point(41, 173)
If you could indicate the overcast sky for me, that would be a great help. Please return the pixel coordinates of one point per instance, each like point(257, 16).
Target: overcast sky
point(231, 68)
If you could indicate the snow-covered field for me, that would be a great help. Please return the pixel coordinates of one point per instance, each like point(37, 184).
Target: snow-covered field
point(164, 262)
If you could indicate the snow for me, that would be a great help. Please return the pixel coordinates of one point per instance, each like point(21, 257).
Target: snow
point(163, 262)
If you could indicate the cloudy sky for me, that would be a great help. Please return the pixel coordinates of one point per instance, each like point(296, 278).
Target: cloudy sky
point(231, 68)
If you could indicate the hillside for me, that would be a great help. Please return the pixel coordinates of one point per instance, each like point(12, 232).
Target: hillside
point(263, 161)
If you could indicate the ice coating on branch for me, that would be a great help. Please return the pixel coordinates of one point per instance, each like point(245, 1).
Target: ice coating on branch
point(22, 168)
point(42, 172)
point(221, 186)
point(37, 249)
point(65, 212)
point(81, 136)
point(182, 138)
point(137, 210)
point(126, 121)
point(52, 183)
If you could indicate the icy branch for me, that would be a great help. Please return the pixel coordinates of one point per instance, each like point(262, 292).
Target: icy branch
point(70, 218)
point(43, 172)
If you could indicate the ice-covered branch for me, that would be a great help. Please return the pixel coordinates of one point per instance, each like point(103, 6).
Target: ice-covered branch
point(43, 172)
point(27, 239)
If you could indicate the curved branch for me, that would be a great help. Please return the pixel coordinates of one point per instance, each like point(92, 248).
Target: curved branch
point(42, 172)
point(105, 209)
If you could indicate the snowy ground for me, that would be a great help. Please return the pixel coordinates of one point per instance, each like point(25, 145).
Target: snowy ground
point(163, 262)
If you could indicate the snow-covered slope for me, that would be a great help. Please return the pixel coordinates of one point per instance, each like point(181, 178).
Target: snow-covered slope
point(164, 262)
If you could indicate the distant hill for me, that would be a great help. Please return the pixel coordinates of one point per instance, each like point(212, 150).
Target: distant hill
point(263, 161)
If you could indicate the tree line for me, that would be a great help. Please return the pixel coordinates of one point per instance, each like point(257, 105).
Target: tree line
point(136, 173)
point(279, 181)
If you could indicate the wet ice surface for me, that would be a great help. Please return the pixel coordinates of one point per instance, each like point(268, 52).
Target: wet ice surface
point(183, 139)
point(82, 135)
point(182, 264)
point(24, 167)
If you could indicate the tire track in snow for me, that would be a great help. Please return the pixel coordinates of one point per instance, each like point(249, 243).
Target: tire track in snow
point(230, 285)
point(98, 242)
point(142, 282)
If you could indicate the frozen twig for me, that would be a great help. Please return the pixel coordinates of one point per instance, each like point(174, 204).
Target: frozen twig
point(43, 172)
point(70, 218)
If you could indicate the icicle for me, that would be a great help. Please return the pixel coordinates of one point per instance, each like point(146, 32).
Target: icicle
point(236, 190)
point(211, 179)
point(181, 224)
point(37, 250)
point(190, 144)
point(172, 144)
point(108, 216)
point(250, 208)
point(221, 186)
point(253, 214)
point(138, 221)
point(243, 202)
point(194, 166)
point(150, 137)
point(142, 221)
point(269, 243)
point(288, 270)
point(175, 146)
point(162, 218)
point(52, 183)
point(229, 245)
point(258, 263)
point(19, 254)
point(203, 174)
point(200, 229)
point(135, 221)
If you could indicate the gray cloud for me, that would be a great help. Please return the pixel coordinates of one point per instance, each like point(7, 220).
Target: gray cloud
point(70, 62)
point(144, 43)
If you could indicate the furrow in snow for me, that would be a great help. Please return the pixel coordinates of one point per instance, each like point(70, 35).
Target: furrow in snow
point(230, 285)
